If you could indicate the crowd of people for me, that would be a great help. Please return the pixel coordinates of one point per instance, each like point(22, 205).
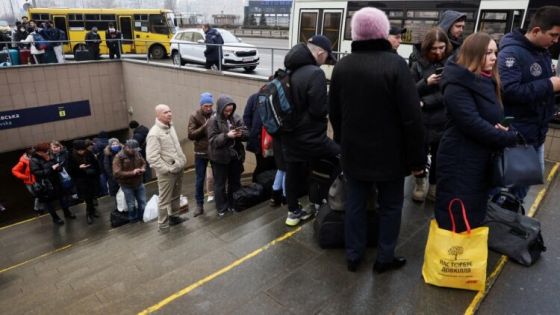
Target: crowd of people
point(439, 118)
point(39, 43)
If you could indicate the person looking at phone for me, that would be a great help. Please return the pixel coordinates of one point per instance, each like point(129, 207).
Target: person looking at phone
point(226, 132)
point(427, 73)
point(528, 79)
point(128, 170)
point(84, 171)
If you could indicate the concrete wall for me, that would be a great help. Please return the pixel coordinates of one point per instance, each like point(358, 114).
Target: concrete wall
point(147, 85)
point(30, 86)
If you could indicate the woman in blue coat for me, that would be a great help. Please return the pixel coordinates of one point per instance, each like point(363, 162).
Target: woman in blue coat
point(472, 99)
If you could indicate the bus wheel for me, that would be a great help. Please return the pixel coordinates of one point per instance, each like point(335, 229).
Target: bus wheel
point(157, 52)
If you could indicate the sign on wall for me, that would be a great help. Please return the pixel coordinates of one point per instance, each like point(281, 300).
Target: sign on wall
point(43, 114)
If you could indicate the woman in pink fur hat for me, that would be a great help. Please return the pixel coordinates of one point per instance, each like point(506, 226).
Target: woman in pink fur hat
point(375, 110)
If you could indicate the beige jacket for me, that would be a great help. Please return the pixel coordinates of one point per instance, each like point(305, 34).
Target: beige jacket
point(163, 150)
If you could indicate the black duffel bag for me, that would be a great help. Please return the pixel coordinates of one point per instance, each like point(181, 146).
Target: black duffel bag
point(248, 196)
point(514, 235)
point(266, 179)
point(119, 218)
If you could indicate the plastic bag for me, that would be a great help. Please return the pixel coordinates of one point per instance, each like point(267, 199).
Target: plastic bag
point(456, 260)
point(151, 211)
point(121, 201)
point(183, 205)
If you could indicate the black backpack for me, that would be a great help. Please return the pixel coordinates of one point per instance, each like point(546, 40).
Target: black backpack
point(275, 104)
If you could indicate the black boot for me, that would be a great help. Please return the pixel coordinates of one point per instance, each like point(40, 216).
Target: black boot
point(276, 200)
point(57, 220)
point(68, 214)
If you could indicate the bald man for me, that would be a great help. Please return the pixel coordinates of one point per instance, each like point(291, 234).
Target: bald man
point(166, 157)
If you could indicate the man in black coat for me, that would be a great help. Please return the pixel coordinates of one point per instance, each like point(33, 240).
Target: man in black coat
point(140, 133)
point(308, 141)
point(213, 52)
point(376, 119)
point(92, 43)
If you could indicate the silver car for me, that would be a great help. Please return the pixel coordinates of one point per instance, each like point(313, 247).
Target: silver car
point(187, 46)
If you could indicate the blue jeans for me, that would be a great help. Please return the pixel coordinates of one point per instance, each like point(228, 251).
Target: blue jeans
point(390, 197)
point(521, 191)
point(133, 196)
point(200, 164)
point(280, 182)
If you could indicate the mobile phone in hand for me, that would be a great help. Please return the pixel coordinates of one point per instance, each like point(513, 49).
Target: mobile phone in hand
point(439, 70)
point(507, 121)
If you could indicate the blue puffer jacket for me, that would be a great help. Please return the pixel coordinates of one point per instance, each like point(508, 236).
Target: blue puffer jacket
point(528, 96)
point(465, 151)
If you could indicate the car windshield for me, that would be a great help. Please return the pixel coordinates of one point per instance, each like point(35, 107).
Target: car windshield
point(228, 37)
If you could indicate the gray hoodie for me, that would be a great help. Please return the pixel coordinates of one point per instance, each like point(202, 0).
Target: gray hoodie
point(447, 19)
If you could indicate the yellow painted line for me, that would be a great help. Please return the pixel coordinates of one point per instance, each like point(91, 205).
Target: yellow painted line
point(36, 258)
point(479, 297)
point(190, 170)
point(216, 274)
point(22, 222)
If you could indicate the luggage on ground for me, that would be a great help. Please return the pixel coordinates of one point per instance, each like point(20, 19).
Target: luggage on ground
point(328, 227)
point(82, 54)
point(14, 57)
point(24, 56)
point(248, 196)
point(513, 234)
point(119, 218)
point(323, 174)
point(266, 179)
point(509, 202)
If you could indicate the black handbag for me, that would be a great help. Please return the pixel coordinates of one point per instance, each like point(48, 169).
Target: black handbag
point(42, 188)
point(517, 166)
point(514, 235)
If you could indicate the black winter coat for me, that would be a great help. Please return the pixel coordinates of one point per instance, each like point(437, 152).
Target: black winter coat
point(375, 114)
point(213, 52)
point(42, 169)
point(433, 110)
point(140, 134)
point(309, 138)
point(466, 148)
point(253, 121)
point(86, 180)
point(221, 148)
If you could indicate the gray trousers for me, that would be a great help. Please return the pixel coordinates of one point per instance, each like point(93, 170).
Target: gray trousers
point(169, 186)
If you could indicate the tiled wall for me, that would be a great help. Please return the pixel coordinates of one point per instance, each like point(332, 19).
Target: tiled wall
point(147, 85)
point(552, 145)
point(99, 82)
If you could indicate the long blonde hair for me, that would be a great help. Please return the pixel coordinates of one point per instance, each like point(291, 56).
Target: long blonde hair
point(472, 55)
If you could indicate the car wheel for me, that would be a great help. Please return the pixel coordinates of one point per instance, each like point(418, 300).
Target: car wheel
point(157, 52)
point(177, 59)
point(250, 69)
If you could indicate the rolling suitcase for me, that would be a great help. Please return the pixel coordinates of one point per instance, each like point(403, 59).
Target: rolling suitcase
point(4, 56)
point(24, 56)
point(14, 56)
point(82, 55)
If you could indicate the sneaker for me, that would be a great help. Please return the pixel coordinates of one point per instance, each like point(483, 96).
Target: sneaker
point(431, 193)
point(419, 192)
point(163, 230)
point(293, 218)
point(176, 220)
point(210, 199)
point(222, 213)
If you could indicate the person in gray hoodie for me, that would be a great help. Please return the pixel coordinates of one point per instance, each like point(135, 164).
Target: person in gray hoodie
point(453, 23)
point(226, 132)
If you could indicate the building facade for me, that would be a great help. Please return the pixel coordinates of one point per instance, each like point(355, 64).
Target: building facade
point(268, 13)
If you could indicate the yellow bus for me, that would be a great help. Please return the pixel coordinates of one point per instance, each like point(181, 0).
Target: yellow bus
point(144, 30)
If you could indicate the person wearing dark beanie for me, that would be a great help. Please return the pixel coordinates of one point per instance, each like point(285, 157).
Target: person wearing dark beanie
point(197, 133)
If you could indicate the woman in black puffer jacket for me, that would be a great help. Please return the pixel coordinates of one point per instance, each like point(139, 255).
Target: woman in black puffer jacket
point(84, 170)
point(426, 71)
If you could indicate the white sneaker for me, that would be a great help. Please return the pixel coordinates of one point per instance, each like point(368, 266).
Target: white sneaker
point(419, 192)
point(210, 199)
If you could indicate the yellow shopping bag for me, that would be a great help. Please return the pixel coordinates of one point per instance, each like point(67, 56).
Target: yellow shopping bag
point(456, 260)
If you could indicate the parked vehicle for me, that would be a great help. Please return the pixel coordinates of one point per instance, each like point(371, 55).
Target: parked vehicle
point(187, 46)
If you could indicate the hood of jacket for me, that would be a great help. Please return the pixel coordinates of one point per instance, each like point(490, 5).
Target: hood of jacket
point(211, 32)
point(457, 74)
point(223, 101)
point(298, 57)
point(448, 18)
point(517, 38)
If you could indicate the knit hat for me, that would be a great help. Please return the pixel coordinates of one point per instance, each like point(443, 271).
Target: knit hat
point(369, 23)
point(132, 144)
point(206, 98)
point(79, 145)
point(113, 140)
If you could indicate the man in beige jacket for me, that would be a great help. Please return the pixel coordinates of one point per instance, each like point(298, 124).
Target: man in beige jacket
point(165, 155)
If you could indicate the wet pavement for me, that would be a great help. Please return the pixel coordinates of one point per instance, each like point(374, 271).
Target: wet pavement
point(245, 263)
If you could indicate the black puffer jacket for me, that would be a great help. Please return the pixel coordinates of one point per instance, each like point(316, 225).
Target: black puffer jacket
point(465, 151)
point(221, 148)
point(375, 114)
point(42, 169)
point(433, 110)
point(309, 138)
point(86, 179)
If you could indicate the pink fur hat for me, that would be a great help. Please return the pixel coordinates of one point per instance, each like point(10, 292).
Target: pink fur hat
point(369, 23)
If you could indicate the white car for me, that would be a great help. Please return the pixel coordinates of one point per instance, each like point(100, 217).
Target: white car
point(187, 46)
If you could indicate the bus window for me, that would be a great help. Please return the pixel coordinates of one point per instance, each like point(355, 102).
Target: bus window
point(498, 23)
point(308, 25)
point(331, 27)
point(158, 25)
point(418, 24)
point(76, 20)
point(141, 22)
